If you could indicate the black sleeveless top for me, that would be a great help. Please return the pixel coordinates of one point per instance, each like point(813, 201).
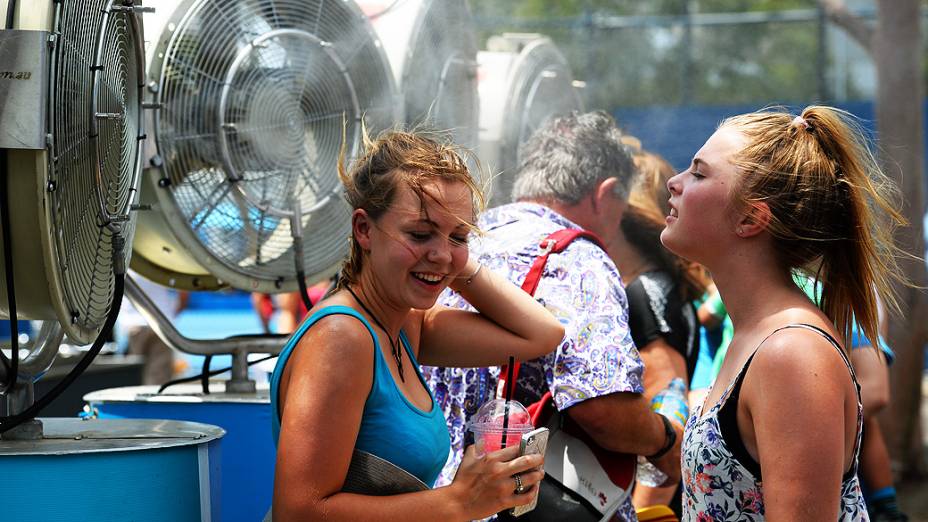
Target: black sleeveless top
point(656, 310)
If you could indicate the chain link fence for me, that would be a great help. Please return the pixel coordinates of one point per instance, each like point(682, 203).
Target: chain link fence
point(699, 58)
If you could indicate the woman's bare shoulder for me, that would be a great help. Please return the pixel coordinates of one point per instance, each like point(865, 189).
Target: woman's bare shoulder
point(343, 335)
point(331, 345)
point(798, 360)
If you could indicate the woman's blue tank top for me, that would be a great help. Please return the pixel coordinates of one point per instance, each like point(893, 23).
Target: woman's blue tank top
point(392, 428)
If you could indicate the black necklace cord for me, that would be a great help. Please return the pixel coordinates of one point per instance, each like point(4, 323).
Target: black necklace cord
point(397, 354)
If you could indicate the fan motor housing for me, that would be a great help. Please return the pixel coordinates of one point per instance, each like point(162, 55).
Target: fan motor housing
point(24, 78)
point(24, 84)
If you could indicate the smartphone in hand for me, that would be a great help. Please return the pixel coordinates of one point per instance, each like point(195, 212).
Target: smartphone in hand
point(533, 442)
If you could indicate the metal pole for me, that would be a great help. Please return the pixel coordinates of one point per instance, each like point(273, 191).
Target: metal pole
point(821, 57)
point(17, 400)
point(163, 328)
point(686, 91)
point(239, 347)
point(43, 353)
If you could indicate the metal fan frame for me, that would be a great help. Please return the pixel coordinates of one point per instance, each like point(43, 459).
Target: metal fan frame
point(519, 103)
point(48, 298)
point(408, 68)
point(472, 127)
point(512, 72)
point(153, 231)
point(215, 273)
point(223, 126)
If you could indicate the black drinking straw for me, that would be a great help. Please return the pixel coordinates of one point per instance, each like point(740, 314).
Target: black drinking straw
point(508, 397)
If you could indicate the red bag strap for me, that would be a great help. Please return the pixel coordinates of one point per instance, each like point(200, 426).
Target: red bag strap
point(555, 243)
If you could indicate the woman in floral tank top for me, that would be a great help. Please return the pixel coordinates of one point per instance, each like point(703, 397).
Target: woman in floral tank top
point(769, 194)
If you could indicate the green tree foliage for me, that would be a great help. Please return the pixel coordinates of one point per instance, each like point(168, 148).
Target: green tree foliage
point(649, 58)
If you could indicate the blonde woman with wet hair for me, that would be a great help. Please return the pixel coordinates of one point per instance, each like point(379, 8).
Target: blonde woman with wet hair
point(349, 377)
point(770, 193)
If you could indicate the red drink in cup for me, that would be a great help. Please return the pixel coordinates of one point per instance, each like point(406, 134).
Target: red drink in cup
point(490, 425)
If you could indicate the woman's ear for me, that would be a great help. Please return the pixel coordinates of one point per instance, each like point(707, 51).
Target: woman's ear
point(361, 228)
point(755, 220)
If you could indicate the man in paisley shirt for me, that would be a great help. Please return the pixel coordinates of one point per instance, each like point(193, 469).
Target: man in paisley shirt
point(575, 173)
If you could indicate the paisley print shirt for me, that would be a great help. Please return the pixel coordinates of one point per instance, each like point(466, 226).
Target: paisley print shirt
point(718, 487)
point(582, 288)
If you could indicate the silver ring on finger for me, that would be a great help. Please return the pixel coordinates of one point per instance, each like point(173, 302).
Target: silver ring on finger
point(520, 488)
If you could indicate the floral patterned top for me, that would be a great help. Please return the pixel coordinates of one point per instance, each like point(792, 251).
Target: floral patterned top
point(718, 486)
point(582, 288)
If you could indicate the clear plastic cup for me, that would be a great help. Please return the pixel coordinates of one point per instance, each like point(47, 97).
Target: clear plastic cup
point(487, 425)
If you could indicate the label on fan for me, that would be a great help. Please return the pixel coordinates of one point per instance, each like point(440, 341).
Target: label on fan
point(24, 84)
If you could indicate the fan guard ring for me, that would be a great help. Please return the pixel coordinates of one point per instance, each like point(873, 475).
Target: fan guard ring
point(255, 97)
point(433, 52)
point(95, 157)
point(281, 117)
point(526, 78)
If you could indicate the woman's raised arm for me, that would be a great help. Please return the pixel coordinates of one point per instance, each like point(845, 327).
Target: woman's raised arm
point(509, 322)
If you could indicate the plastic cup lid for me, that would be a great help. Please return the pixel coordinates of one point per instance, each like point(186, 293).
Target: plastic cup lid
point(490, 417)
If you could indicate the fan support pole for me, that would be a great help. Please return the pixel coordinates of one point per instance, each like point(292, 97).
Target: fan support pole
point(239, 347)
point(17, 400)
point(240, 383)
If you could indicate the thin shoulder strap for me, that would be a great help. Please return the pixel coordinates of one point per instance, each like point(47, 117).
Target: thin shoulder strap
point(828, 337)
point(831, 340)
point(734, 387)
point(860, 406)
point(325, 312)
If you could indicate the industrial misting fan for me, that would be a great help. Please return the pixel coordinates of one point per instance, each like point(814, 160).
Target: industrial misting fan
point(71, 133)
point(432, 49)
point(524, 81)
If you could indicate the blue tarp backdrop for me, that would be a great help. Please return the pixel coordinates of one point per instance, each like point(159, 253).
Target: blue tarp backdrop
point(677, 132)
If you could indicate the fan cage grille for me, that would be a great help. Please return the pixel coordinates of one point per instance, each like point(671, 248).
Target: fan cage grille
point(540, 88)
point(440, 76)
point(83, 242)
point(255, 97)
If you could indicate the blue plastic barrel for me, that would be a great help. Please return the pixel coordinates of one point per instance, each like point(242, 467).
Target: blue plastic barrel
point(248, 452)
point(92, 470)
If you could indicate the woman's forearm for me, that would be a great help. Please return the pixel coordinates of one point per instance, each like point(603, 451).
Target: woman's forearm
point(507, 305)
point(425, 506)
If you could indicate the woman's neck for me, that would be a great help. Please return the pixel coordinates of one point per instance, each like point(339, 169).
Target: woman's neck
point(754, 288)
point(375, 302)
